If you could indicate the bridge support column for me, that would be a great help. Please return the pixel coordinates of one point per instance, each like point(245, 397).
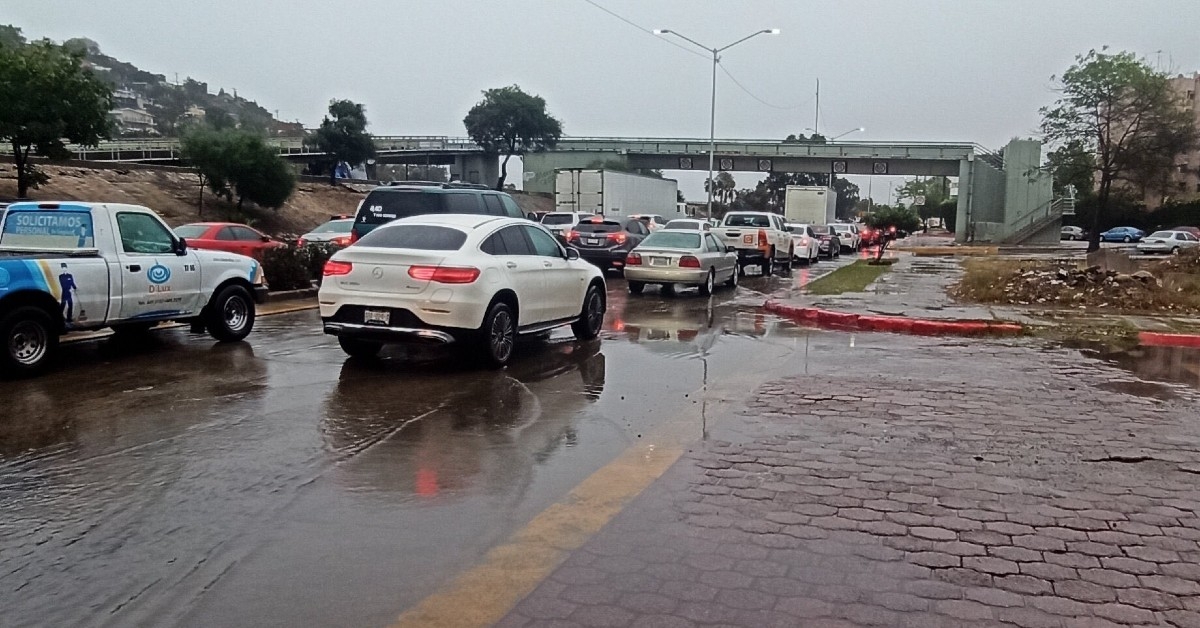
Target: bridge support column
point(966, 187)
point(482, 169)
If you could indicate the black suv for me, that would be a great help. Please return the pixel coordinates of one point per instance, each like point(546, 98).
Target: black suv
point(414, 198)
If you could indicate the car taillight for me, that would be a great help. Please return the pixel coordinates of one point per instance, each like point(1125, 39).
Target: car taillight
point(342, 240)
point(618, 237)
point(762, 237)
point(687, 261)
point(334, 268)
point(301, 242)
point(571, 234)
point(804, 242)
point(633, 259)
point(444, 274)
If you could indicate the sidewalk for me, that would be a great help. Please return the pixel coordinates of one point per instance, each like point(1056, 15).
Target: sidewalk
point(910, 496)
point(916, 287)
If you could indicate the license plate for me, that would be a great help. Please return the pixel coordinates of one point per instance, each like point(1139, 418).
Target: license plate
point(748, 239)
point(593, 241)
point(660, 261)
point(377, 317)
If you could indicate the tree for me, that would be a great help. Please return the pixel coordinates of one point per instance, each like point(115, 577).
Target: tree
point(511, 122)
point(344, 137)
point(884, 218)
point(239, 164)
point(1072, 164)
point(1119, 109)
point(11, 36)
point(725, 188)
point(47, 98)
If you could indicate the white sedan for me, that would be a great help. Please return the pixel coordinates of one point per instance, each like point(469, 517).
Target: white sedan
point(458, 278)
point(807, 245)
point(1167, 242)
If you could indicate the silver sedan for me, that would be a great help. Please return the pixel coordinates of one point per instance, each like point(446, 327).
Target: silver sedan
point(671, 257)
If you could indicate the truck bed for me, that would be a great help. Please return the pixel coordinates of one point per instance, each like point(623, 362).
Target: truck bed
point(13, 253)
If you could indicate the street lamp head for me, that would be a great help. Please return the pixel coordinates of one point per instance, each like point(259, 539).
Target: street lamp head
point(661, 31)
point(772, 31)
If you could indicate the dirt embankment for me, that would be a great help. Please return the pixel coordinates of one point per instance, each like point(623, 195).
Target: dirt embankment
point(174, 193)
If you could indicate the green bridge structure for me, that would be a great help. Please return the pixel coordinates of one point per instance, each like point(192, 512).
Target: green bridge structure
point(1004, 196)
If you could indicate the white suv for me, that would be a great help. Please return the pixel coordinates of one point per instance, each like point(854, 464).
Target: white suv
point(558, 223)
point(458, 278)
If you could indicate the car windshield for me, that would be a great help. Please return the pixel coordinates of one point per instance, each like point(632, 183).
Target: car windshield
point(607, 226)
point(335, 226)
point(1166, 235)
point(190, 231)
point(669, 240)
point(417, 237)
point(842, 228)
point(558, 219)
point(747, 220)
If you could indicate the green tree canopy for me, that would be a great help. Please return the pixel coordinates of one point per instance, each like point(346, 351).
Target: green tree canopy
point(1124, 113)
point(1072, 164)
point(344, 137)
point(239, 164)
point(510, 122)
point(47, 98)
point(887, 217)
point(11, 36)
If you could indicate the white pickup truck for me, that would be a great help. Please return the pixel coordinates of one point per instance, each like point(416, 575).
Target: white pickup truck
point(761, 239)
point(79, 266)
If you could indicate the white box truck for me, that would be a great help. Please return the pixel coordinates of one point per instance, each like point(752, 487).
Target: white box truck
point(615, 194)
point(809, 204)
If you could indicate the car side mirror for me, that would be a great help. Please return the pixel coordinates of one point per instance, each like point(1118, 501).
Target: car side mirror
point(572, 253)
point(531, 216)
point(266, 238)
point(731, 249)
point(180, 247)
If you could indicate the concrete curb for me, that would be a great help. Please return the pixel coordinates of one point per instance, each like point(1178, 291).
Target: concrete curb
point(1157, 339)
point(830, 319)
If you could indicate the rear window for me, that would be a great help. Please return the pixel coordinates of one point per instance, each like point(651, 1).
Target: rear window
point(418, 237)
point(747, 220)
point(673, 240)
point(842, 228)
point(333, 226)
point(558, 219)
point(190, 231)
point(607, 226)
point(1165, 235)
point(385, 206)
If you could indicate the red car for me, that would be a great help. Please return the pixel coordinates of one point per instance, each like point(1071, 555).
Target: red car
point(868, 236)
point(227, 236)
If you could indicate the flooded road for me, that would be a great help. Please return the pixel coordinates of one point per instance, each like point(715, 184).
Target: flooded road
point(276, 482)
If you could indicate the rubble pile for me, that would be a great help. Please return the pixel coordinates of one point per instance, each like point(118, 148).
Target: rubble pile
point(1066, 285)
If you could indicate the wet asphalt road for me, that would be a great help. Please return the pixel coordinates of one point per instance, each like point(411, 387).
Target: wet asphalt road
point(275, 482)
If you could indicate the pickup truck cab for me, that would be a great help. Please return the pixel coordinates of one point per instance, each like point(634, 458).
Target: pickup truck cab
point(761, 239)
point(82, 266)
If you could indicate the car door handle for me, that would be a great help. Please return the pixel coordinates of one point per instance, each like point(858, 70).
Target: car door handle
point(135, 268)
point(547, 263)
point(511, 264)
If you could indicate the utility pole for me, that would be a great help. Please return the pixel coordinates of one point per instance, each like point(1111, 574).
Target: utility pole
point(817, 110)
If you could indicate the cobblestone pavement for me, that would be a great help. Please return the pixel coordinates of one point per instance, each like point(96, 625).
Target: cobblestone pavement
point(1048, 497)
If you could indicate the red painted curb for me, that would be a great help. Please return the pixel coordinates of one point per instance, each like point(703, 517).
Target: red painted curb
point(1156, 339)
point(900, 324)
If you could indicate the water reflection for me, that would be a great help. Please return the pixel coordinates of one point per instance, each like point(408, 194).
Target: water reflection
point(1177, 365)
point(442, 428)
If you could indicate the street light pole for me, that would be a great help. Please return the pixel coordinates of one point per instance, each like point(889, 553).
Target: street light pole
point(712, 115)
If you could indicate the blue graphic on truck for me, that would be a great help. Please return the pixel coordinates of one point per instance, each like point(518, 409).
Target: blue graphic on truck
point(66, 283)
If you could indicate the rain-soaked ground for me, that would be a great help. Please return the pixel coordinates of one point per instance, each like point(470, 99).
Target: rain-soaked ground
point(275, 482)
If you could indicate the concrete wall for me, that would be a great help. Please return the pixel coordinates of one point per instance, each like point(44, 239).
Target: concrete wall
point(1027, 188)
point(478, 169)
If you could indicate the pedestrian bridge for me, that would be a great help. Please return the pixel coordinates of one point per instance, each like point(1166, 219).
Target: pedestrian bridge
point(1004, 196)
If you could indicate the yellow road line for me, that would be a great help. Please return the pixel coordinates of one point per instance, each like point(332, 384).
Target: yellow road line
point(484, 594)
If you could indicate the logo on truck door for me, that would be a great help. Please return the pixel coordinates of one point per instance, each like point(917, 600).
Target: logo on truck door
point(158, 274)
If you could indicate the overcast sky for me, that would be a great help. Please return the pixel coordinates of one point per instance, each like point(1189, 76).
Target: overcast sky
point(956, 70)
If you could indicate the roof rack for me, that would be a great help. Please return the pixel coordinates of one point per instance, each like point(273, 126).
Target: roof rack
point(437, 184)
point(424, 184)
point(466, 186)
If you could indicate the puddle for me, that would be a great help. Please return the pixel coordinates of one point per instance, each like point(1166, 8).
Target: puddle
point(1170, 365)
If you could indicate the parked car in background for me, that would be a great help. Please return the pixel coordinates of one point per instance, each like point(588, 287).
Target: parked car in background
point(606, 242)
point(336, 232)
point(402, 199)
point(807, 244)
point(482, 280)
point(652, 221)
point(558, 223)
point(848, 235)
point(1073, 233)
point(685, 257)
point(830, 244)
point(1168, 242)
point(694, 224)
point(1122, 234)
point(1192, 230)
point(230, 237)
